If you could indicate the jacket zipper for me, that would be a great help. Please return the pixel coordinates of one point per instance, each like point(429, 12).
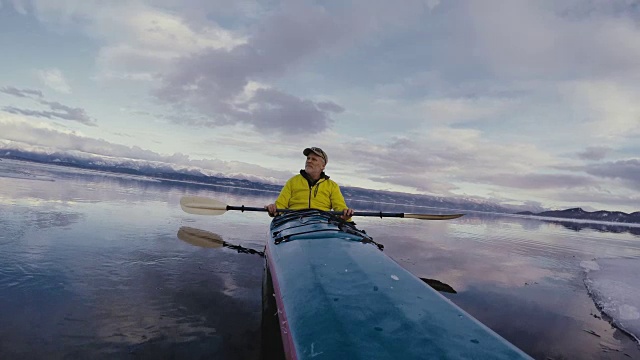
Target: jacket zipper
point(317, 186)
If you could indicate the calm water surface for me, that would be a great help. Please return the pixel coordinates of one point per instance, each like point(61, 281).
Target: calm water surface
point(91, 267)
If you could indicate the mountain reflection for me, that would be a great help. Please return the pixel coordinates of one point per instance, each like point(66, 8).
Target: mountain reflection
point(604, 228)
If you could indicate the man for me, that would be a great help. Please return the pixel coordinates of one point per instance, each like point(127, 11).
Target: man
point(311, 189)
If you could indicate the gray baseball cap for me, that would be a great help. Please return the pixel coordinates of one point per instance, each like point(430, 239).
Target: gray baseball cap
point(317, 151)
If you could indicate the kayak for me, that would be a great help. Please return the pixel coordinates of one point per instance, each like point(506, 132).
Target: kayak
point(331, 293)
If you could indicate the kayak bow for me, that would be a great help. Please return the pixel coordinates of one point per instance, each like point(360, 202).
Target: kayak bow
point(339, 297)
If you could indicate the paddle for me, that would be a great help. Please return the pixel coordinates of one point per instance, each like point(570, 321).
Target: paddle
point(200, 238)
point(439, 285)
point(206, 239)
point(205, 206)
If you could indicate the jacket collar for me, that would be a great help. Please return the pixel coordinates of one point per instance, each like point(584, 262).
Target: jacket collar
point(323, 176)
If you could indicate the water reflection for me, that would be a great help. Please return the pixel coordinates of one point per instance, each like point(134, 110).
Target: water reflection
point(207, 239)
point(603, 228)
point(90, 267)
point(136, 301)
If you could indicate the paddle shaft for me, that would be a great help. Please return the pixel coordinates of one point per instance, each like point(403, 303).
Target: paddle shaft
point(248, 208)
point(205, 206)
point(355, 213)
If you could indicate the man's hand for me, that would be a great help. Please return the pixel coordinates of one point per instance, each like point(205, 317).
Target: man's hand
point(347, 214)
point(271, 208)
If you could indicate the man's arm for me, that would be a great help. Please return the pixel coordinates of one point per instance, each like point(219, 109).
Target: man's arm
point(338, 203)
point(282, 202)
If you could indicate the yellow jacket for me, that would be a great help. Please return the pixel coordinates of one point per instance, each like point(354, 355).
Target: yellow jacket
point(298, 193)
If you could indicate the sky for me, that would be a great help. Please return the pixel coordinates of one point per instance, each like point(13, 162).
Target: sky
point(526, 103)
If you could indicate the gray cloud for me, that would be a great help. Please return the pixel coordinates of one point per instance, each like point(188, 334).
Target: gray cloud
point(211, 80)
point(70, 113)
point(56, 109)
point(330, 106)
point(21, 92)
point(626, 170)
point(594, 153)
point(274, 108)
point(63, 112)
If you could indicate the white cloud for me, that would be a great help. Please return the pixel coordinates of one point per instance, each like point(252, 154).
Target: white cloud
point(611, 109)
point(148, 40)
point(54, 79)
point(432, 4)
point(137, 37)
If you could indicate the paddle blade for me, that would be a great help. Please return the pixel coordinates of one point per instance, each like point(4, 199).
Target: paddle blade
point(432, 217)
point(202, 206)
point(439, 285)
point(200, 238)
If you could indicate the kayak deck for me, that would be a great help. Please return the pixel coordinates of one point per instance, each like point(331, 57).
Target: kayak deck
point(341, 298)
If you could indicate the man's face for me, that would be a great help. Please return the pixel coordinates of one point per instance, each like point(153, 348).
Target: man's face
point(314, 164)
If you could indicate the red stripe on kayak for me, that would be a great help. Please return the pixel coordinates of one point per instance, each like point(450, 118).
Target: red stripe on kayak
point(287, 341)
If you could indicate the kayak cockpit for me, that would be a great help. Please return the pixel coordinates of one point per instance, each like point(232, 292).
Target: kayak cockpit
point(313, 224)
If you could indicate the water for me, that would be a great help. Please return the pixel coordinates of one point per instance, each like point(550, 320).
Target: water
point(91, 267)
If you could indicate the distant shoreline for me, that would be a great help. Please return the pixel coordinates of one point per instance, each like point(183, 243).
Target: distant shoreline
point(171, 172)
point(617, 217)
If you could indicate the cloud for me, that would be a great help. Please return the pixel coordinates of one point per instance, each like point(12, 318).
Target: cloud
point(610, 109)
point(539, 181)
point(37, 137)
point(594, 152)
point(275, 109)
point(70, 114)
point(626, 170)
point(452, 110)
point(149, 40)
point(54, 79)
point(56, 109)
point(498, 43)
point(443, 160)
point(203, 66)
point(139, 38)
point(417, 182)
point(23, 93)
point(211, 80)
point(552, 39)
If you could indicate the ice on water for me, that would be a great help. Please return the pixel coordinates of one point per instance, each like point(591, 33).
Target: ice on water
point(614, 285)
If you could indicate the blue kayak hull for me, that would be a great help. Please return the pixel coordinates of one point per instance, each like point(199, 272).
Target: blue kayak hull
point(339, 297)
